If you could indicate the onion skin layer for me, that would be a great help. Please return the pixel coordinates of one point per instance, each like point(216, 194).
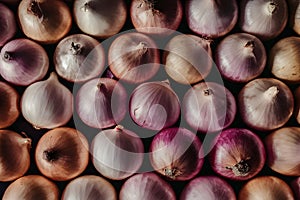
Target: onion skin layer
point(8, 25)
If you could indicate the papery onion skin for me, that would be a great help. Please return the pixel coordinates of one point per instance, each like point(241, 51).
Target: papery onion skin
point(282, 148)
point(8, 25)
point(78, 58)
point(146, 186)
point(294, 15)
point(176, 153)
point(154, 105)
point(133, 57)
point(266, 187)
point(89, 187)
point(117, 153)
point(187, 58)
point(44, 21)
point(23, 62)
point(209, 107)
point(265, 104)
point(240, 57)
point(237, 154)
point(62, 154)
point(32, 187)
point(208, 188)
point(211, 18)
point(100, 18)
point(9, 105)
point(296, 187)
point(297, 104)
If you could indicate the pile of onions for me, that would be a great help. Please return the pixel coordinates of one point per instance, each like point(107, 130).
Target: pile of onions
point(23, 62)
point(282, 148)
point(79, 58)
point(237, 154)
point(62, 153)
point(156, 17)
point(7, 24)
point(176, 153)
point(294, 15)
point(100, 18)
point(9, 105)
point(296, 187)
point(211, 18)
point(154, 105)
point(284, 59)
point(14, 155)
point(47, 104)
point(133, 57)
point(101, 103)
point(209, 107)
point(187, 58)
point(297, 104)
point(240, 57)
point(265, 104)
point(146, 186)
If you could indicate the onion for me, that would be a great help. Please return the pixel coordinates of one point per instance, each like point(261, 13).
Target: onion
point(208, 188)
point(146, 186)
point(7, 24)
point(265, 19)
point(211, 18)
point(209, 107)
point(133, 57)
point(266, 187)
point(32, 187)
point(154, 105)
point(237, 154)
point(296, 187)
point(79, 58)
point(117, 153)
point(283, 151)
point(9, 105)
point(47, 104)
point(101, 103)
point(44, 21)
point(89, 187)
point(240, 57)
point(176, 153)
point(156, 17)
point(187, 58)
point(294, 15)
point(284, 59)
point(23, 62)
point(100, 18)
point(14, 155)
point(265, 104)
point(62, 153)
point(297, 104)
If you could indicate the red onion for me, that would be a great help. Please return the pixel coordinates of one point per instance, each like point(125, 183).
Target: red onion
point(146, 186)
point(294, 15)
point(100, 18)
point(237, 154)
point(79, 58)
point(156, 17)
point(176, 153)
point(240, 57)
point(265, 19)
point(117, 153)
point(283, 151)
point(23, 62)
point(208, 188)
point(7, 24)
point(154, 105)
point(187, 58)
point(265, 104)
point(133, 57)
point(297, 104)
point(209, 107)
point(211, 18)
point(296, 187)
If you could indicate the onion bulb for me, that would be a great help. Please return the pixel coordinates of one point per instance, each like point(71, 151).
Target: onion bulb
point(8, 25)
point(294, 15)
point(297, 104)
point(296, 187)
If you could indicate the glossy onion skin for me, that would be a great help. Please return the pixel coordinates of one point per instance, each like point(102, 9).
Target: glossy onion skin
point(209, 107)
point(208, 188)
point(265, 104)
point(282, 148)
point(146, 186)
point(296, 187)
point(240, 57)
point(89, 187)
point(294, 15)
point(266, 187)
point(8, 25)
point(237, 154)
point(211, 18)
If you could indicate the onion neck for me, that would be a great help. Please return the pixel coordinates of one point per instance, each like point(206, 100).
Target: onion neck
point(86, 6)
point(250, 45)
point(172, 172)
point(142, 48)
point(35, 9)
point(75, 48)
point(271, 93)
point(208, 92)
point(242, 168)
point(119, 128)
point(101, 87)
point(7, 56)
point(272, 7)
point(50, 155)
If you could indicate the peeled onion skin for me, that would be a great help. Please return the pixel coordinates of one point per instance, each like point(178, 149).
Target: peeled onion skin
point(294, 15)
point(8, 25)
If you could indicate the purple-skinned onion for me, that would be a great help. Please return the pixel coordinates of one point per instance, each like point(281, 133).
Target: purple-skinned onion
point(8, 25)
point(295, 184)
point(297, 104)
